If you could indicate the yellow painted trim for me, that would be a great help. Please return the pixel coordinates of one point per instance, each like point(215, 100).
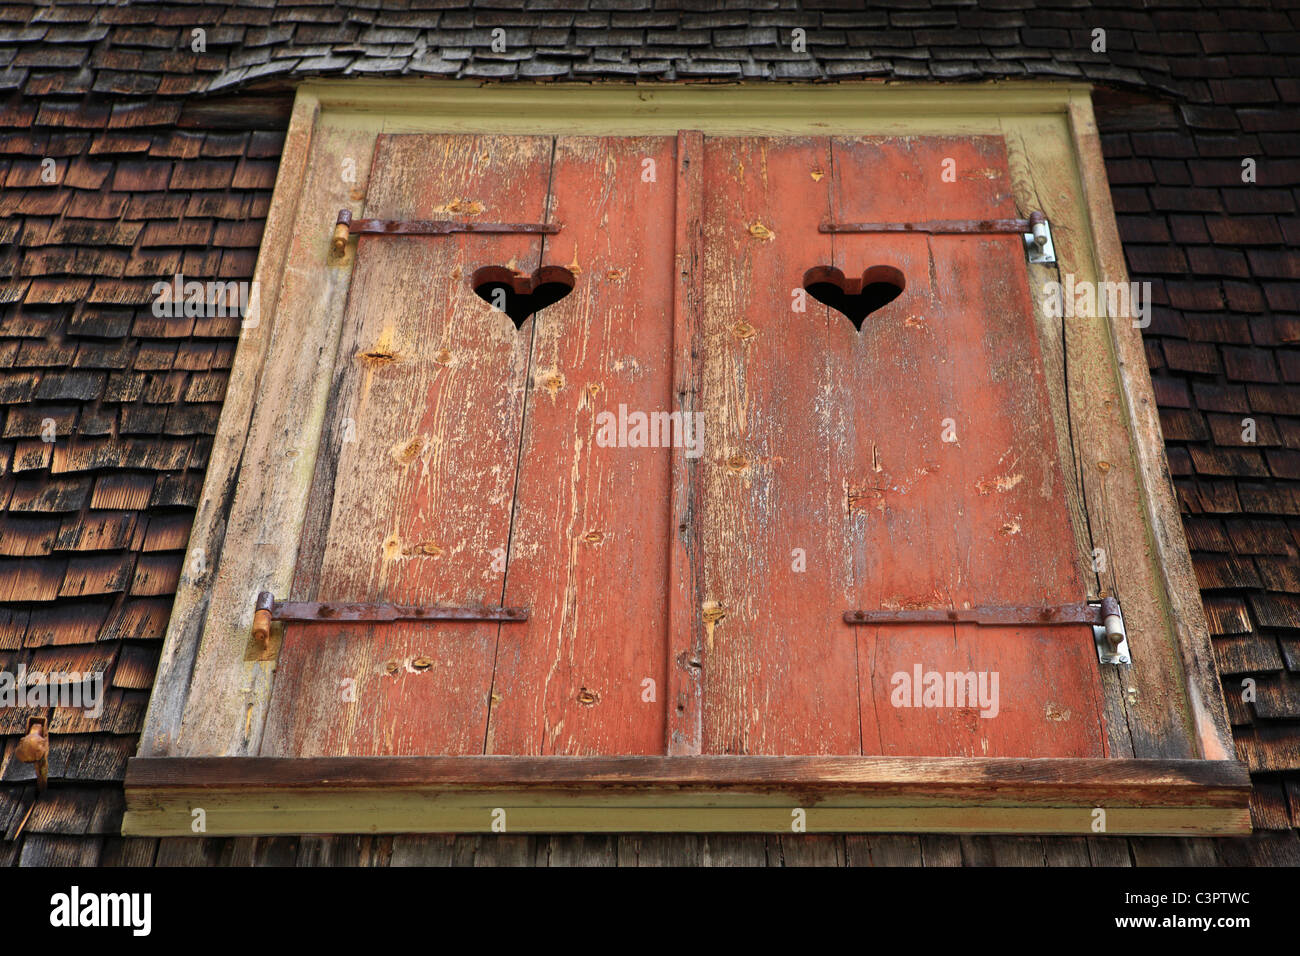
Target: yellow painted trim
point(717, 109)
point(399, 810)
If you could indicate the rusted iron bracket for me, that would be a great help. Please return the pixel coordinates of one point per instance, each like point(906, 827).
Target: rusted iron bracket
point(1105, 617)
point(346, 226)
point(35, 749)
point(1035, 230)
point(268, 609)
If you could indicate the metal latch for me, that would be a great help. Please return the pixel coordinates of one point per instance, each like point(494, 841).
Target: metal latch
point(35, 748)
point(1036, 231)
point(268, 609)
point(1104, 616)
point(346, 226)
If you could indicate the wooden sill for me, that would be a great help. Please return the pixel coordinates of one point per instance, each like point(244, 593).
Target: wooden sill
point(254, 796)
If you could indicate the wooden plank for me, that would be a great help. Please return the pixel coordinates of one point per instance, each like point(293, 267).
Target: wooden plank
point(721, 849)
point(416, 850)
point(706, 793)
point(428, 406)
point(1219, 782)
point(684, 690)
point(226, 714)
point(1149, 711)
point(940, 851)
point(955, 464)
point(578, 850)
point(887, 850)
point(189, 613)
point(41, 849)
point(201, 852)
point(780, 665)
point(128, 851)
point(233, 814)
point(589, 536)
point(1150, 851)
point(809, 849)
point(1003, 851)
point(1066, 851)
point(1038, 149)
point(1274, 848)
point(1109, 851)
point(749, 109)
point(1164, 529)
point(505, 849)
point(674, 850)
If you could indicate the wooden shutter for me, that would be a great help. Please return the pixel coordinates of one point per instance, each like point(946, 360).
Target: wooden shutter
point(826, 449)
point(461, 468)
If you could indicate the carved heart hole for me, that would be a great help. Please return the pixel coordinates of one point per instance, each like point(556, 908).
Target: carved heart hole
point(519, 296)
point(855, 298)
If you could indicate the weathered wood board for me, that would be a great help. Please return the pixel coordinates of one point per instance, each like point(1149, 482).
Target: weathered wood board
point(425, 425)
point(702, 793)
point(589, 543)
point(780, 665)
point(471, 465)
point(911, 464)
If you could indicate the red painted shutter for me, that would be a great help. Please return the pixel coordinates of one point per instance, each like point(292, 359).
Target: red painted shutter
point(469, 471)
point(461, 464)
point(828, 442)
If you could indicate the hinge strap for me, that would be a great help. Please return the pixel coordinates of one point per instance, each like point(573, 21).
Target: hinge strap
point(346, 226)
point(993, 616)
point(1105, 617)
point(1036, 231)
point(268, 609)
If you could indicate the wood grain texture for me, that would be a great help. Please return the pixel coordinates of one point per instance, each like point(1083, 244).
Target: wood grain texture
point(207, 535)
point(828, 444)
point(1148, 699)
point(780, 665)
point(1190, 635)
point(1039, 149)
point(684, 697)
point(706, 793)
point(749, 109)
point(427, 414)
point(589, 540)
point(226, 711)
point(1227, 781)
point(963, 482)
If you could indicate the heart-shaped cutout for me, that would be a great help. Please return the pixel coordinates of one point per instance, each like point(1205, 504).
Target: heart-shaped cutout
point(519, 296)
point(855, 298)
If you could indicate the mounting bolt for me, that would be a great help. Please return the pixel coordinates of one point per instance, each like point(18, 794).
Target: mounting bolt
point(1113, 623)
point(262, 617)
point(1038, 228)
point(339, 245)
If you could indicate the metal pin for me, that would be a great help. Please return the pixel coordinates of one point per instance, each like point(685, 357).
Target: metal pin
point(35, 748)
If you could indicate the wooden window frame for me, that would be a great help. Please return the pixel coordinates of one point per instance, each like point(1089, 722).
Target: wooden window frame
point(213, 685)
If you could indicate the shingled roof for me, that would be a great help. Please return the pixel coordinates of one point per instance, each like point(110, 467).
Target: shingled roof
point(164, 159)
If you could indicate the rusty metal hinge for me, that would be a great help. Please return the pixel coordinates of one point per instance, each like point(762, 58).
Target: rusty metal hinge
point(268, 609)
point(346, 226)
point(35, 748)
point(1036, 231)
point(1105, 617)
